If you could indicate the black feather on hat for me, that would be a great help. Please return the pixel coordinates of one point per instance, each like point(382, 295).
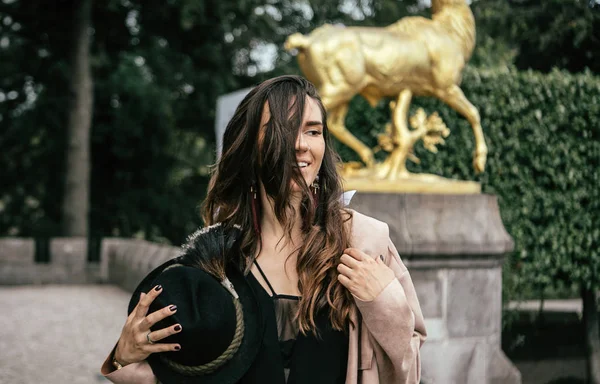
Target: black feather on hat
point(217, 309)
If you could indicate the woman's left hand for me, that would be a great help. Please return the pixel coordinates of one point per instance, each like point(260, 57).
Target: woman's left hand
point(362, 275)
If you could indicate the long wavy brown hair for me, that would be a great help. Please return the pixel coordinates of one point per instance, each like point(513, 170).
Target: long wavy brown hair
point(245, 163)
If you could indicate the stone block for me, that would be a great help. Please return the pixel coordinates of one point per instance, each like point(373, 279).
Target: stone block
point(68, 261)
point(127, 251)
point(115, 251)
point(454, 362)
point(130, 260)
point(429, 287)
point(455, 224)
point(17, 250)
point(474, 302)
point(68, 251)
point(146, 257)
point(439, 225)
point(95, 274)
point(390, 209)
point(19, 274)
point(164, 253)
point(436, 329)
point(501, 370)
point(133, 278)
point(16, 274)
point(109, 255)
point(57, 274)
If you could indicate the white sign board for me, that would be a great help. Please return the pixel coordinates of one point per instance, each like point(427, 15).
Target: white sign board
point(226, 106)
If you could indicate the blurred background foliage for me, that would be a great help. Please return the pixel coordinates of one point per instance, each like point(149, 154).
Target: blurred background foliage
point(159, 66)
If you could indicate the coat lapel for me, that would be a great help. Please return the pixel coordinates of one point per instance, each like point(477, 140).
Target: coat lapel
point(370, 236)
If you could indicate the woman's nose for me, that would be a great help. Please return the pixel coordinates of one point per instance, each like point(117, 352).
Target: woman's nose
point(301, 144)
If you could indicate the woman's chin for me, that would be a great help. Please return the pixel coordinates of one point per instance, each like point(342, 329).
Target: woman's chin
point(295, 188)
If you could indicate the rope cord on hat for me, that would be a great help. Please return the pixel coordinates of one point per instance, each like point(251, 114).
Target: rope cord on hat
point(219, 361)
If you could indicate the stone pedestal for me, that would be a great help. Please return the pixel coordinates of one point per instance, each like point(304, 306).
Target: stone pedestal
point(454, 246)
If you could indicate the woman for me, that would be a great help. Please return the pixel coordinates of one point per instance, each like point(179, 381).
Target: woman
point(336, 295)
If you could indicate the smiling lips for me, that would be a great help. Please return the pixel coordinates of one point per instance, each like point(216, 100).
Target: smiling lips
point(302, 164)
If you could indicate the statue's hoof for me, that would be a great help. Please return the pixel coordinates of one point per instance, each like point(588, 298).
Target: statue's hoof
point(479, 163)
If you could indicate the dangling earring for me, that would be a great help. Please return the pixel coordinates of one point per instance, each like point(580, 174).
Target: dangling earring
point(254, 207)
point(314, 188)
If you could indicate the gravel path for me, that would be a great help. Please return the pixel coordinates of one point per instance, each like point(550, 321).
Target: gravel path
point(54, 334)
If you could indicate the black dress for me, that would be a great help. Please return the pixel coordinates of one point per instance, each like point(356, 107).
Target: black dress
point(288, 356)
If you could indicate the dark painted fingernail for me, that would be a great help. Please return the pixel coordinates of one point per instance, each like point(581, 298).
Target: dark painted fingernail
point(178, 328)
point(177, 347)
point(158, 288)
point(172, 308)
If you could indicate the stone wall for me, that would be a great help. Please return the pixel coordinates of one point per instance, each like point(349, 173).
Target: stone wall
point(127, 261)
point(68, 262)
point(122, 262)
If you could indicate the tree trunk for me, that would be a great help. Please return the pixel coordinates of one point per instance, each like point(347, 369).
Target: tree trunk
point(75, 205)
point(591, 321)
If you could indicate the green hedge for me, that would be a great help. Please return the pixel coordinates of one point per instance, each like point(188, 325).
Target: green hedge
point(543, 132)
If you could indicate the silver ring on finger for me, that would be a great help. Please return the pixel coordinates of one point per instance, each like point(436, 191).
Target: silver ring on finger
point(150, 341)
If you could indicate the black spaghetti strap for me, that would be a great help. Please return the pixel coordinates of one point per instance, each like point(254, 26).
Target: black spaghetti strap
point(265, 277)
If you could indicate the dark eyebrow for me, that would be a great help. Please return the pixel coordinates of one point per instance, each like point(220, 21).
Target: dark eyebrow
point(313, 123)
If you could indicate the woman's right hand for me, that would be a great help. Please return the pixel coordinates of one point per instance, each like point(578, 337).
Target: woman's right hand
point(133, 345)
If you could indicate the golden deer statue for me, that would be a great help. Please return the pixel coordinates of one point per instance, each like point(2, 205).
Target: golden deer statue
point(414, 56)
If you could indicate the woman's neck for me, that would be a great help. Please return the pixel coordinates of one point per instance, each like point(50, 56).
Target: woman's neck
point(270, 227)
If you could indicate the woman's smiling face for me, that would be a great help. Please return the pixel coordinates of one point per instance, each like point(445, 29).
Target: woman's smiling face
point(310, 141)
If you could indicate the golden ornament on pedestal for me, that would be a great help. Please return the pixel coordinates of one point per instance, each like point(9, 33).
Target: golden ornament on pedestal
point(414, 56)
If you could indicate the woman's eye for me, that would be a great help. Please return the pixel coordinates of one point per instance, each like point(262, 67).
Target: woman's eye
point(314, 132)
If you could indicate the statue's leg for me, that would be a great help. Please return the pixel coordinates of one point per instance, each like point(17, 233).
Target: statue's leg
point(399, 116)
point(394, 166)
point(456, 99)
point(337, 126)
point(396, 161)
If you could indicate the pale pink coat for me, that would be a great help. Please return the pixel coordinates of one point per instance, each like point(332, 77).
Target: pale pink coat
point(384, 348)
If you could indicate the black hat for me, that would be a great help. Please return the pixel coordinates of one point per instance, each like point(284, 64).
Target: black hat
point(221, 323)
